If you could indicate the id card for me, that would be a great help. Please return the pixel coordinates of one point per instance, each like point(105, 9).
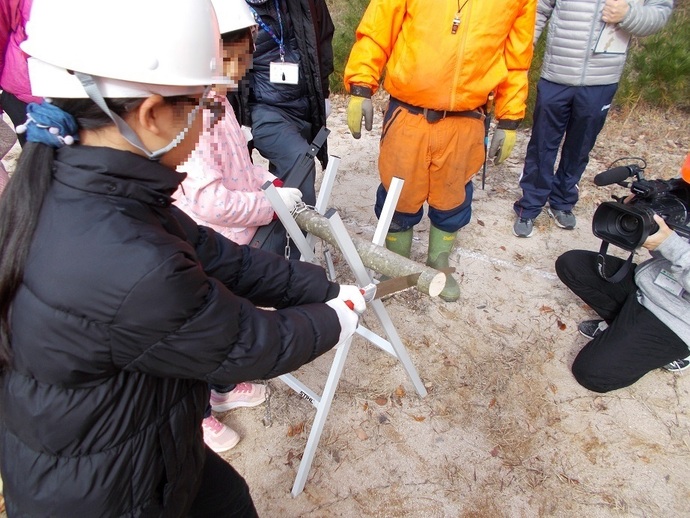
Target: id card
point(666, 281)
point(284, 73)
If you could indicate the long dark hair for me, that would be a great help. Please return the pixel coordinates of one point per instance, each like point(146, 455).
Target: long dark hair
point(22, 199)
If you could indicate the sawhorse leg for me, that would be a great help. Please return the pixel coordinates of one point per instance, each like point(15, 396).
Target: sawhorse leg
point(323, 406)
point(392, 196)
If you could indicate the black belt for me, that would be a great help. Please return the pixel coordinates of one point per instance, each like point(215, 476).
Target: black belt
point(433, 116)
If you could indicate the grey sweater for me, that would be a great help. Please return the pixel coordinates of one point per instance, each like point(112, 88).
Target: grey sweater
point(671, 305)
point(575, 26)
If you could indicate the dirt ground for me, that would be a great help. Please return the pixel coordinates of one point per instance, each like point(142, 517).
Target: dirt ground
point(505, 431)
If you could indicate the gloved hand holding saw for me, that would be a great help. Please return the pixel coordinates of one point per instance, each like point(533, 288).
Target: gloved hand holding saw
point(348, 305)
point(353, 296)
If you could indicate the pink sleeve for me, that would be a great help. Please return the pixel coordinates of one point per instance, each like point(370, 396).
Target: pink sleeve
point(223, 187)
point(263, 174)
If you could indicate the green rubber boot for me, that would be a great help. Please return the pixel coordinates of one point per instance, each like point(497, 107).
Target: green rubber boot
point(440, 246)
point(400, 242)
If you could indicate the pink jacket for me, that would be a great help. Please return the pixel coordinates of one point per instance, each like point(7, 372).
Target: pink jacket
point(14, 74)
point(223, 188)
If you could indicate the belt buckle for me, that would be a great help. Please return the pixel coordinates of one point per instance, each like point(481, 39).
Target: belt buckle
point(433, 116)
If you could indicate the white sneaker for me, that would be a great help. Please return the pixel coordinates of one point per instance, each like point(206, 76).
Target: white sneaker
point(217, 436)
point(243, 395)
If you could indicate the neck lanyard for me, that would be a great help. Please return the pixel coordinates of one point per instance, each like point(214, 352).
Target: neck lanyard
point(457, 19)
point(265, 27)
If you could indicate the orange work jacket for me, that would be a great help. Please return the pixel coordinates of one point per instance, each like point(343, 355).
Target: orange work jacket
point(428, 66)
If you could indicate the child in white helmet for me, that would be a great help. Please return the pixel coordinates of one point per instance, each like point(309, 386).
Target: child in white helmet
point(116, 309)
point(223, 187)
point(222, 190)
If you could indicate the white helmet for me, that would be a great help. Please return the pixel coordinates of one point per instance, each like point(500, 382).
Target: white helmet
point(131, 48)
point(233, 15)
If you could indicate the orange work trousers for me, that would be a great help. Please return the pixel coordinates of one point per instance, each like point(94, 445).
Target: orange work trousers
point(436, 160)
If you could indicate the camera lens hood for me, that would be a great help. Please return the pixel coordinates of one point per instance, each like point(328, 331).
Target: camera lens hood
point(623, 225)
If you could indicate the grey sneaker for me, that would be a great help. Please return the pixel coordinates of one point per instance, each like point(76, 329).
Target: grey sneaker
point(523, 227)
point(592, 328)
point(678, 365)
point(563, 218)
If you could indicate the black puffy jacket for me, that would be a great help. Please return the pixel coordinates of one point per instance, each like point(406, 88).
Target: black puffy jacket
point(308, 34)
point(127, 311)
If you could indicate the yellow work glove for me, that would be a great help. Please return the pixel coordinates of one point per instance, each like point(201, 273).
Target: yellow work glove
point(503, 141)
point(359, 108)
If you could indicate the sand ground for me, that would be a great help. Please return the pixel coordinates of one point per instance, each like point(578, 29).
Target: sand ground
point(504, 431)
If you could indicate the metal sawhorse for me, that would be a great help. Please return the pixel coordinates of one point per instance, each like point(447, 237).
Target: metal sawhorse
point(392, 345)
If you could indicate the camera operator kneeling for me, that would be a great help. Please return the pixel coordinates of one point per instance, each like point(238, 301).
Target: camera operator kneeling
point(646, 316)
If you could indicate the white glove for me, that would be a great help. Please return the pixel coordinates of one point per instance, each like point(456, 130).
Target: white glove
point(327, 106)
point(348, 319)
point(247, 132)
point(290, 196)
point(354, 295)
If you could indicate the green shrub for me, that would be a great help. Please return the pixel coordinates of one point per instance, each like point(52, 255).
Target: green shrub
point(346, 16)
point(658, 68)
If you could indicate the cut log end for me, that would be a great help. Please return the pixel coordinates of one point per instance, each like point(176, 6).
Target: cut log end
point(437, 284)
point(431, 282)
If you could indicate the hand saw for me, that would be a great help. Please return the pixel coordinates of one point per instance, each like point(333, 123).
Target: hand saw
point(375, 291)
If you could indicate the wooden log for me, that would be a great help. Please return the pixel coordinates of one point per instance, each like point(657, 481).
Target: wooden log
point(377, 258)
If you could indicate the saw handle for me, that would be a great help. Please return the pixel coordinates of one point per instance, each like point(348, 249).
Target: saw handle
point(368, 292)
point(351, 304)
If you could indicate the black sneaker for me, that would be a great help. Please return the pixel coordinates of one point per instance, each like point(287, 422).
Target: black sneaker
point(678, 365)
point(592, 328)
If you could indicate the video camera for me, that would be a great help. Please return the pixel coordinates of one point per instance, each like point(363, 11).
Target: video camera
point(628, 225)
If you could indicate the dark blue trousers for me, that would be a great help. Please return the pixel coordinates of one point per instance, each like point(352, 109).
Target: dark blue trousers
point(576, 112)
point(283, 140)
point(218, 388)
point(446, 220)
